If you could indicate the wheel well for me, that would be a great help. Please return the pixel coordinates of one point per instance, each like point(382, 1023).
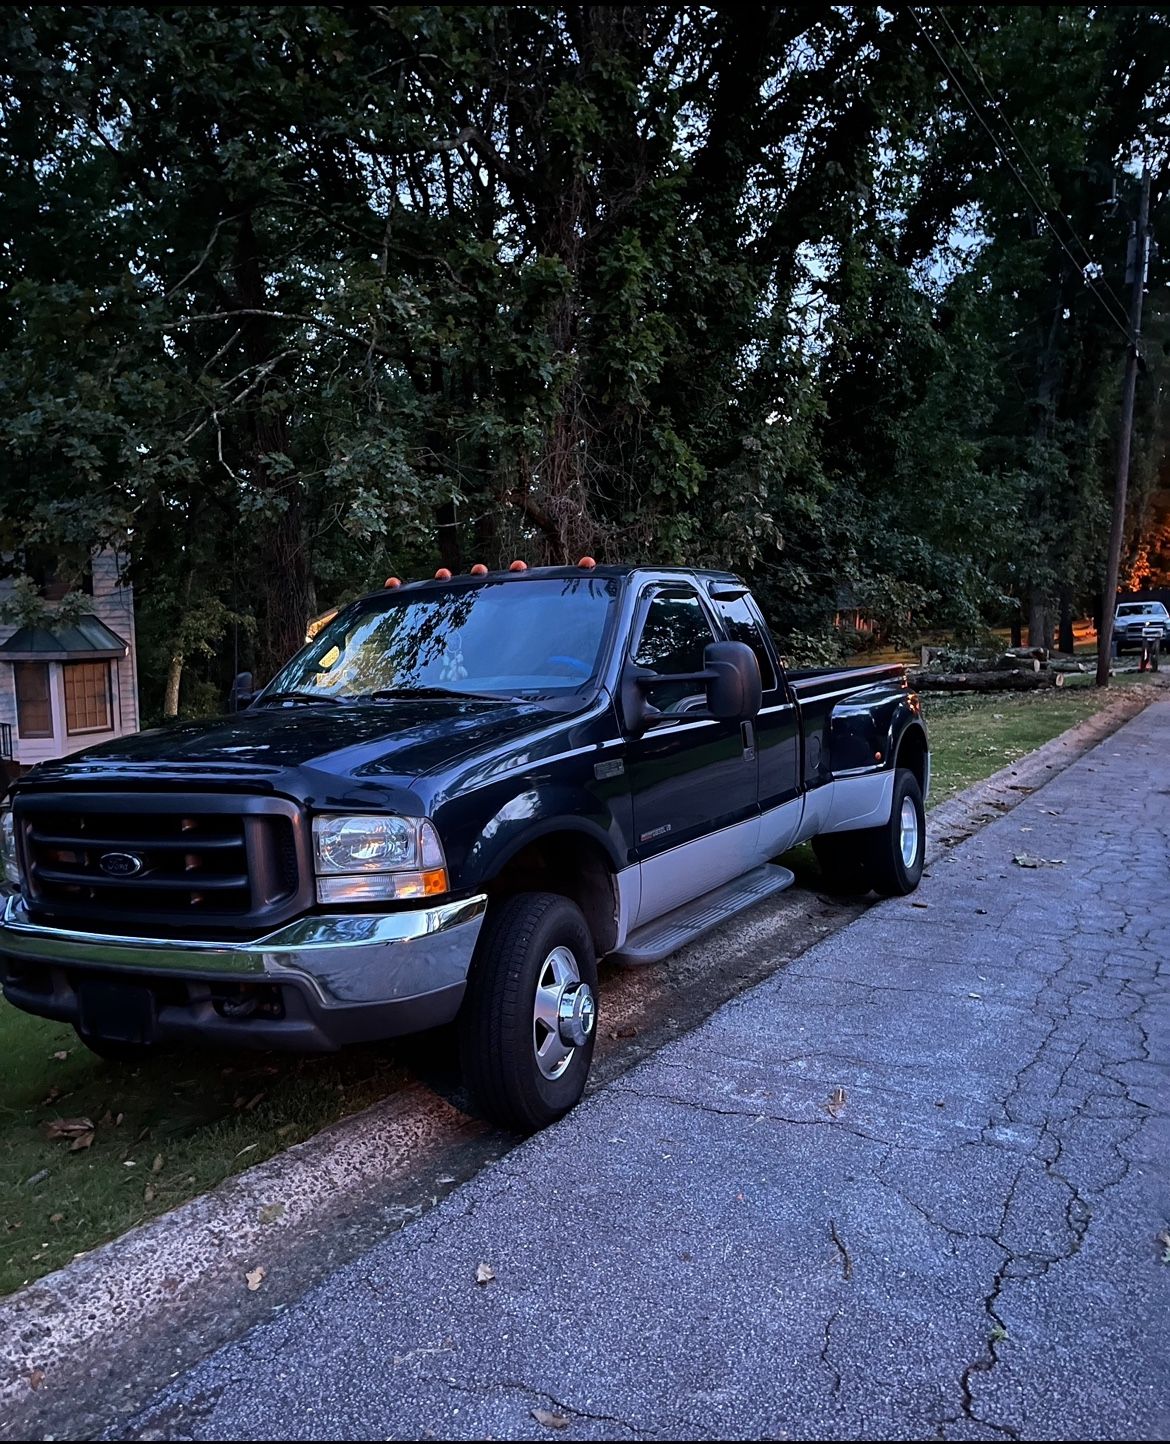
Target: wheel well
point(913, 754)
point(574, 866)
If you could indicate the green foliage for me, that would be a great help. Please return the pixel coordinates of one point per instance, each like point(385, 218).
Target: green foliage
point(297, 297)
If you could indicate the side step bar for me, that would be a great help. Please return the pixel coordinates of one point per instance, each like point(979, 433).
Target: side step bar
point(665, 935)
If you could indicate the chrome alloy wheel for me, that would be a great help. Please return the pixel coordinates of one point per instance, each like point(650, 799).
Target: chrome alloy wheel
point(908, 829)
point(564, 1012)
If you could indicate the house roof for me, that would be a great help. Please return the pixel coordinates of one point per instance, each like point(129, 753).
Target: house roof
point(87, 640)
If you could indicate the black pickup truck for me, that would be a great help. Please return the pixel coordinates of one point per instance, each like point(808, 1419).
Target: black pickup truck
point(449, 805)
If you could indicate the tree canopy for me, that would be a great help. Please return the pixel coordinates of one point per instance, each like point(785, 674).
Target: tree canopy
point(293, 297)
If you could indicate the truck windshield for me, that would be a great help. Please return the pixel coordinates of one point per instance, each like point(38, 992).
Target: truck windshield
point(531, 639)
point(1139, 609)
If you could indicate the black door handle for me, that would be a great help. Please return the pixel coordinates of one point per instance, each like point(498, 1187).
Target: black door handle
point(747, 735)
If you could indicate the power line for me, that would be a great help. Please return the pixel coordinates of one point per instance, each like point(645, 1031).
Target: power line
point(1015, 170)
point(1003, 116)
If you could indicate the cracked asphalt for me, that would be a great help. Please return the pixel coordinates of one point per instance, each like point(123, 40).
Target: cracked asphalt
point(910, 1187)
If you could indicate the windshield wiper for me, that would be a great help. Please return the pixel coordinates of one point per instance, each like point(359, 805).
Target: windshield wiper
point(299, 697)
point(390, 694)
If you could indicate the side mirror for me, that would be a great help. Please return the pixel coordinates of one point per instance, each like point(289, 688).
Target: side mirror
point(730, 678)
point(735, 690)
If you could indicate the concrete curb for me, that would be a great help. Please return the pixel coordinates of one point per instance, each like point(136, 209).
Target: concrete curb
point(61, 1330)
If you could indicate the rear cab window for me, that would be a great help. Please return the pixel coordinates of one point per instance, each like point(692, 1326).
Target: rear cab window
point(742, 624)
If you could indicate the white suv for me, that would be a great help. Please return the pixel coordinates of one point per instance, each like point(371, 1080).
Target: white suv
point(1133, 618)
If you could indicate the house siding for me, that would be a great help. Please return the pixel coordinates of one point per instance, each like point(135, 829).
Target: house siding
point(112, 604)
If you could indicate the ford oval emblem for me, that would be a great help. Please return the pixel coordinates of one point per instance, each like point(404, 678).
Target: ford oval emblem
point(121, 864)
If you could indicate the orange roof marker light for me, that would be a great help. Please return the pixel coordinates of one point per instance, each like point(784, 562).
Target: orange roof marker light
point(587, 564)
point(518, 566)
point(443, 575)
point(393, 581)
point(479, 570)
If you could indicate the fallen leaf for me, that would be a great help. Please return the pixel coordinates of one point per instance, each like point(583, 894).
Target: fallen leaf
point(1164, 1240)
point(61, 1055)
point(56, 1217)
point(836, 1101)
point(51, 1096)
point(1023, 860)
point(253, 1101)
point(271, 1212)
point(484, 1274)
point(285, 1130)
point(38, 1177)
point(74, 1128)
point(148, 1193)
point(919, 905)
point(623, 1033)
point(550, 1420)
point(36, 1378)
point(157, 1165)
point(83, 1140)
point(981, 911)
point(255, 1278)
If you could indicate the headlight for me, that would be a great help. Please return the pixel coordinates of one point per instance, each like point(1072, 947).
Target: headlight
point(371, 858)
point(8, 859)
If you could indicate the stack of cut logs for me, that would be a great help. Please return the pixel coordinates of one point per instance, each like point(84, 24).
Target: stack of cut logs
point(1019, 669)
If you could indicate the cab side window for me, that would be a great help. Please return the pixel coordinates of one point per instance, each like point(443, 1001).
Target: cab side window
point(742, 626)
point(674, 635)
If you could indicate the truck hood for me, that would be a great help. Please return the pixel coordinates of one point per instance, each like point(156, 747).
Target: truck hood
point(397, 740)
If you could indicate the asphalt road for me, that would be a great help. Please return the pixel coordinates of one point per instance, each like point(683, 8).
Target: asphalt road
point(912, 1186)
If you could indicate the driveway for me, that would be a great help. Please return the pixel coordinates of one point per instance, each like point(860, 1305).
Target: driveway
point(913, 1186)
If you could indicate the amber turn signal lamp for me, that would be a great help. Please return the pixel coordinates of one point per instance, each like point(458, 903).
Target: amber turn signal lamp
point(518, 566)
point(434, 882)
point(479, 570)
point(443, 575)
point(587, 563)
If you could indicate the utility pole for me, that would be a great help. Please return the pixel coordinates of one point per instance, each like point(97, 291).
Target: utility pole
point(1139, 250)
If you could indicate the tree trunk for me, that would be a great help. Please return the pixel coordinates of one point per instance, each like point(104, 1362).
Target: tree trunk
point(174, 680)
point(1039, 621)
point(1067, 641)
point(1017, 630)
point(985, 681)
point(288, 597)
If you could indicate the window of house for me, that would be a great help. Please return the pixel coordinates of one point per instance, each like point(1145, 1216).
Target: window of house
point(87, 697)
point(34, 709)
point(56, 576)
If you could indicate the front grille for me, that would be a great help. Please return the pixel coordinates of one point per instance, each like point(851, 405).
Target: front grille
point(163, 865)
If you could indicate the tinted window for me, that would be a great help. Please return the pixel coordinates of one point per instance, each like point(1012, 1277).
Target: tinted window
point(742, 626)
point(530, 638)
point(674, 636)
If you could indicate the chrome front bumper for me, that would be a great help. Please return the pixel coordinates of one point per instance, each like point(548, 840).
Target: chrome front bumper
point(368, 962)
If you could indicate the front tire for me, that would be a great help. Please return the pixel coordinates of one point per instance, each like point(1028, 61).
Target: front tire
point(528, 1024)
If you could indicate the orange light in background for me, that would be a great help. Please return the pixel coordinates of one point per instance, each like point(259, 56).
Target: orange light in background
point(518, 566)
point(443, 575)
point(587, 563)
point(479, 570)
point(877, 756)
point(393, 581)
